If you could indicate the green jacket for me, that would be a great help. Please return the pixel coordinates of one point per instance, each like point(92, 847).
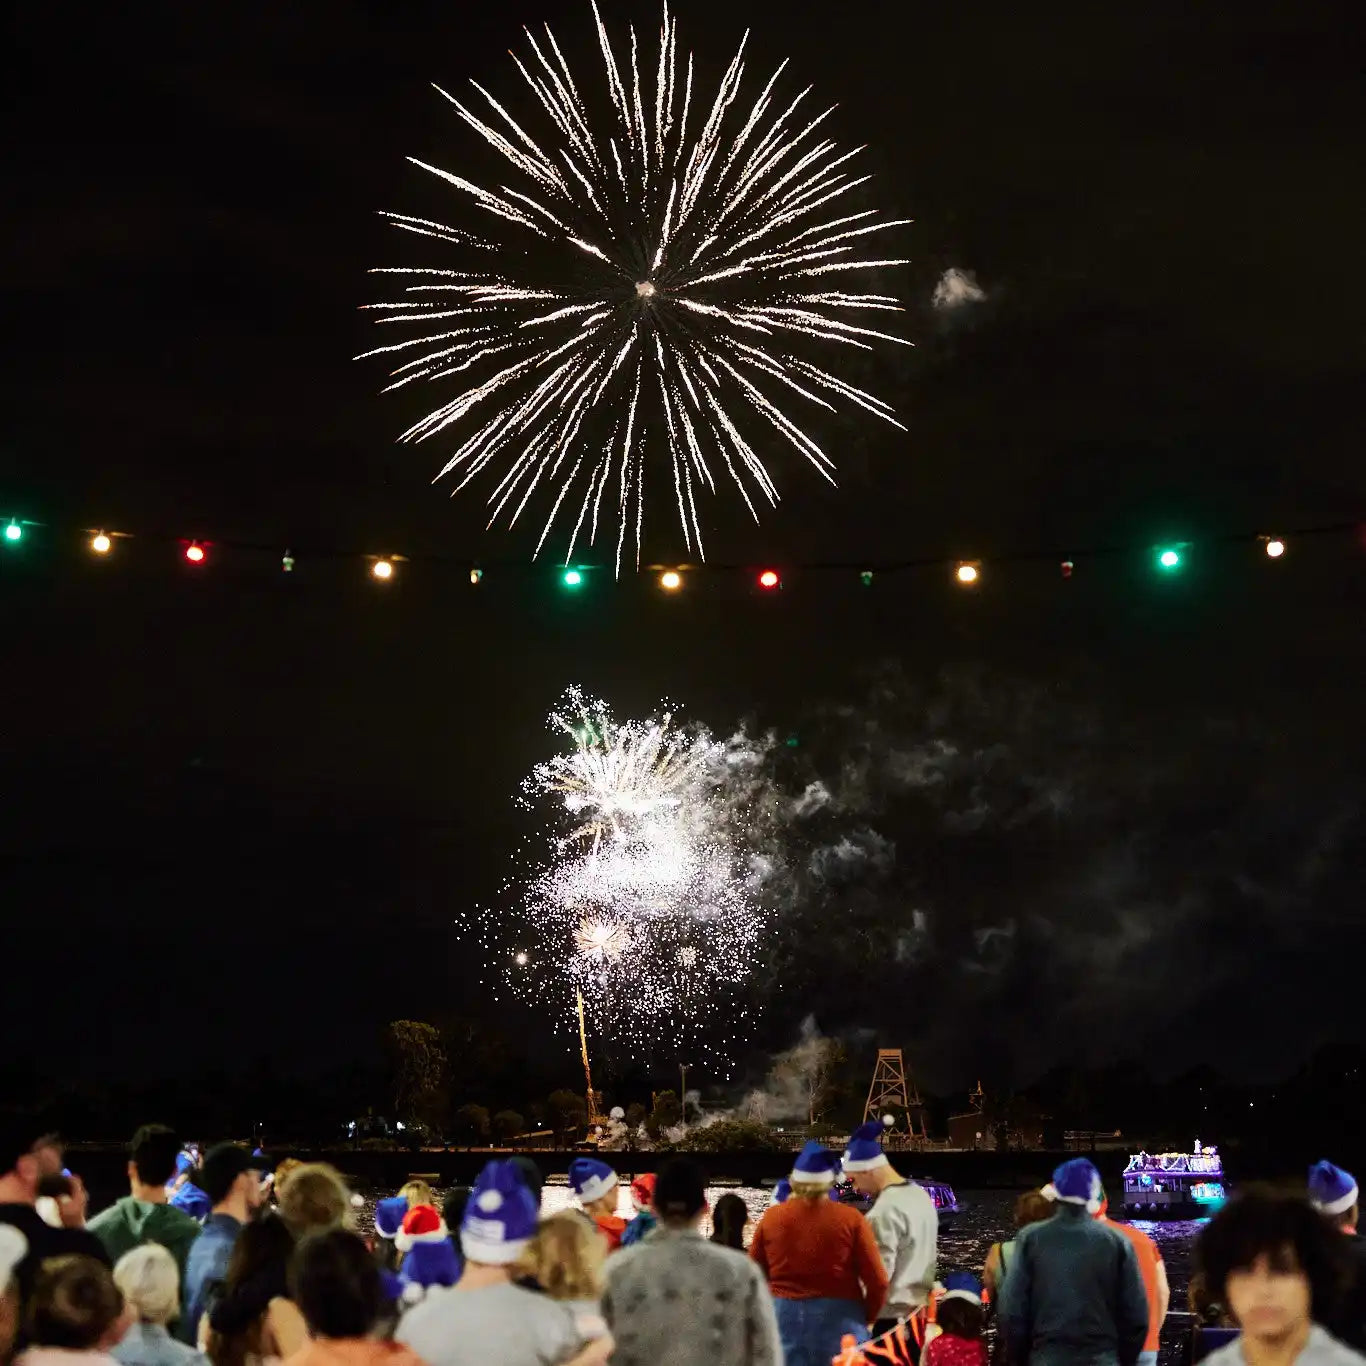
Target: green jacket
point(129, 1223)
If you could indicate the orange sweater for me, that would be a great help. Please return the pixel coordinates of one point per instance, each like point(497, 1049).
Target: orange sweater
point(817, 1249)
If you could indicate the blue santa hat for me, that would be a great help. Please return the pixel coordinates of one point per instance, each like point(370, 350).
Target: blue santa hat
point(389, 1216)
point(1331, 1190)
point(429, 1256)
point(865, 1148)
point(782, 1192)
point(815, 1166)
point(184, 1162)
point(962, 1285)
point(591, 1179)
point(500, 1216)
point(1076, 1183)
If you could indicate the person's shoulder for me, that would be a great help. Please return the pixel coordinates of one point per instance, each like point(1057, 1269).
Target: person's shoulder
point(109, 1215)
point(1323, 1349)
point(171, 1220)
point(1230, 1354)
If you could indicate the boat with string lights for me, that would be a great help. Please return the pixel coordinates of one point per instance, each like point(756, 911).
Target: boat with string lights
point(1174, 1185)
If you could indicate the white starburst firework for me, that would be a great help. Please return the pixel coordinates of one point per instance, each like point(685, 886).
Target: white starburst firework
point(657, 282)
point(647, 905)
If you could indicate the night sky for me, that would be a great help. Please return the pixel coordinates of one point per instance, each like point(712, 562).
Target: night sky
point(242, 810)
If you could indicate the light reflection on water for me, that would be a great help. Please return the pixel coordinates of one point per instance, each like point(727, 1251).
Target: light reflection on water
point(984, 1217)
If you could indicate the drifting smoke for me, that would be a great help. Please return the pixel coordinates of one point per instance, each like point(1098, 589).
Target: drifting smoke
point(957, 288)
point(996, 876)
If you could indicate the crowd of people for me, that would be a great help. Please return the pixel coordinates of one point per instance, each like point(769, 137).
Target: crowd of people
point(221, 1261)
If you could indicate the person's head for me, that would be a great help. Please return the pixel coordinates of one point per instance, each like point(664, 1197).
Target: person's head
point(532, 1176)
point(314, 1199)
point(595, 1183)
point(680, 1193)
point(1333, 1192)
point(152, 1158)
point(1033, 1207)
point(261, 1244)
point(643, 1192)
point(75, 1305)
point(232, 1179)
point(1076, 1183)
point(1273, 1262)
point(960, 1317)
point(565, 1257)
point(283, 1172)
point(500, 1217)
point(13, 1250)
point(453, 1208)
point(813, 1173)
point(29, 1151)
point(865, 1163)
point(728, 1221)
point(150, 1283)
point(336, 1285)
point(417, 1193)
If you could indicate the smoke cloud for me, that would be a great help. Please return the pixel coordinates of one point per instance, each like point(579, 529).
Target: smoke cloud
point(956, 289)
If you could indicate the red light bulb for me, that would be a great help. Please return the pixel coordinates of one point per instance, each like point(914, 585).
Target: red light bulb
point(769, 579)
point(194, 552)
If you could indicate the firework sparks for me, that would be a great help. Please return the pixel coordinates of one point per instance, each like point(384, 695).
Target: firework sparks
point(647, 903)
point(669, 281)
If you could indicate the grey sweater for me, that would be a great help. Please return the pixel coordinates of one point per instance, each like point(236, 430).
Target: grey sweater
point(675, 1300)
point(1322, 1349)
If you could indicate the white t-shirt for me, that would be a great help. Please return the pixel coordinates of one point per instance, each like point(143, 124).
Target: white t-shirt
point(497, 1325)
point(905, 1226)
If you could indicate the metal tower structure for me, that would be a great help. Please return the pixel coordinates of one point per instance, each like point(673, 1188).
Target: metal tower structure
point(890, 1088)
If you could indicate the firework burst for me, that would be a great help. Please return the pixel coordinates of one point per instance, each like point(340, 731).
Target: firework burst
point(647, 904)
point(650, 286)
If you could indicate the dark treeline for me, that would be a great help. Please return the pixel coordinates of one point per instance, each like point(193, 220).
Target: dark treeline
point(1320, 1109)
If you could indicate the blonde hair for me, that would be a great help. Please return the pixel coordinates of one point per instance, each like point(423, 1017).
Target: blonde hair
point(810, 1190)
point(565, 1256)
point(417, 1193)
point(150, 1282)
point(314, 1199)
point(282, 1173)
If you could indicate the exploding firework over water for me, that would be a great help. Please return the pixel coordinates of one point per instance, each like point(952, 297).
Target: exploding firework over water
point(646, 904)
point(649, 286)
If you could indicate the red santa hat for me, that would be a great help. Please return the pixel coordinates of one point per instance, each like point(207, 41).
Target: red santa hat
point(422, 1224)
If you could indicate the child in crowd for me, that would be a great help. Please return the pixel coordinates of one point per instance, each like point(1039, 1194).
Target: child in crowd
point(429, 1258)
point(150, 1284)
point(961, 1321)
point(417, 1193)
point(75, 1314)
point(642, 1200)
point(565, 1258)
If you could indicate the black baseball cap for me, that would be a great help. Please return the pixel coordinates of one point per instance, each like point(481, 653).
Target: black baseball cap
point(223, 1164)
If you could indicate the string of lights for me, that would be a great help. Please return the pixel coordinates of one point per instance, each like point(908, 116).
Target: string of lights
point(1168, 557)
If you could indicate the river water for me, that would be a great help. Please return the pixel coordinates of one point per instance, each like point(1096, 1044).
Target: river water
point(984, 1217)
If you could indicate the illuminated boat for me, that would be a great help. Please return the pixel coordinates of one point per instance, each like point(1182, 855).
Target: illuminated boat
point(1174, 1185)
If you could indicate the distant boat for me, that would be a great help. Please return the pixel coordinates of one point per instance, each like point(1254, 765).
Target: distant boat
point(945, 1202)
point(1174, 1185)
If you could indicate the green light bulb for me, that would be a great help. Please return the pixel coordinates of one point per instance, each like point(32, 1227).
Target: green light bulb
point(572, 578)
